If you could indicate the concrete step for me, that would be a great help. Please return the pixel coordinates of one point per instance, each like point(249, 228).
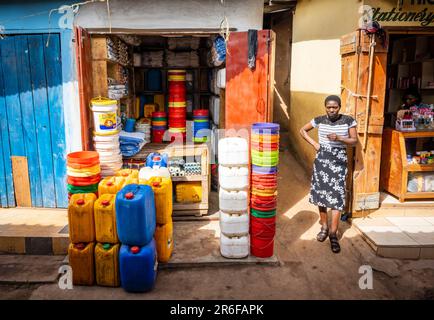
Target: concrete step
point(34, 231)
point(398, 237)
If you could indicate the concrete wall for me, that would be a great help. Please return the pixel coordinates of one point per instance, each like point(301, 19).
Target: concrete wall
point(316, 63)
point(25, 17)
point(173, 14)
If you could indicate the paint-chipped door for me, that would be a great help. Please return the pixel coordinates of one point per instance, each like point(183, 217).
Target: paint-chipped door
point(249, 92)
point(32, 122)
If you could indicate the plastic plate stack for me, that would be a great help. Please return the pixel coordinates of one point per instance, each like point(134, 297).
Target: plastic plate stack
point(177, 104)
point(233, 197)
point(263, 200)
point(201, 125)
point(159, 126)
point(84, 172)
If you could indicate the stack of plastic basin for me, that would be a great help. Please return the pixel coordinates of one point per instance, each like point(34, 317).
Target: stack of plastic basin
point(162, 187)
point(107, 246)
point(135, 224)
point(82, 238)
point(84, 172)
point(144, 125)
point(159, 126)
point(201, 125)
point(177, 104)
point(106, 135)
point(263, 199)
point(233, 197)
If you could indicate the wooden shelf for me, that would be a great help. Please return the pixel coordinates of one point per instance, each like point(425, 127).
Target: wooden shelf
point(420, 167)
point(394, 167)
point(189, 178)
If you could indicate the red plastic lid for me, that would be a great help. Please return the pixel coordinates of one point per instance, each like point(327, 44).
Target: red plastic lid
point(200, 112)
point(80, 202)
point(80, 246)
point(155, 184)
point(135, 249)
point(109, 183)
point(105, 202)
point(158, 114)
point(129, 196)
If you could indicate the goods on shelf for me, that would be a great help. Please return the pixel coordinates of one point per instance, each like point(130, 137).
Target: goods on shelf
point(184, 43)
point(182, 59)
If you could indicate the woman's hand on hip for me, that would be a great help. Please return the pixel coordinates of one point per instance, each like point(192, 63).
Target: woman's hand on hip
point(316, 146)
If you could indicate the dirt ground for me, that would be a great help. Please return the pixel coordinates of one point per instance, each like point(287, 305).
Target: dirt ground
point(308, 269)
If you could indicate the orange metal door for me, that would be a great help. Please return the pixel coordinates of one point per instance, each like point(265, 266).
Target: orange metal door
point(249, 93)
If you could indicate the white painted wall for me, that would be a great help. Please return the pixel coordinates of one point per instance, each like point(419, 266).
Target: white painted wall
point(173, 14)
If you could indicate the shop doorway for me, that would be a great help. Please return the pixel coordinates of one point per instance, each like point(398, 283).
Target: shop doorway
point(32, 144)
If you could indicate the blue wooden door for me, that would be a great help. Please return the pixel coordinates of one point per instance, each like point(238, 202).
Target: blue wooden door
point(31, 118)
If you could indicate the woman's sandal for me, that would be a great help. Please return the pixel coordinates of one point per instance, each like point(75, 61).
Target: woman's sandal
point(322, 235)
point(336, 248)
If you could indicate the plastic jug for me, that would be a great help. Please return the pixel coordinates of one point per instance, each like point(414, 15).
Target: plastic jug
point(234, 178)
point(111, 185)
point(164, 241)
point(147, 173)
point(130, 175)
point(234, 224)
point(135, 214)
point(80, 217)
point(233, 151)
point(233, 201)
point(189, 192)
point(162, 188)
point(138, 267)
point(156, 159)
point(107, 265)
point(234, 247)
point(105, 219)
point(82, 262)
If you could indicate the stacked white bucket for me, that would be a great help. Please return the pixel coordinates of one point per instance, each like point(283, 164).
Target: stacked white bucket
point(233, 155)
point(106, 135)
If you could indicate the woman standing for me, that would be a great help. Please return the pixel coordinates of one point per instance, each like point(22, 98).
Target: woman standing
point(335, 132)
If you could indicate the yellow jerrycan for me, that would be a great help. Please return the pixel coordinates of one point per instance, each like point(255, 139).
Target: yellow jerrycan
point(80, 217)
point(107, 265)
point(164, 241)
point(162, 188)
point(189, 192)
point(111, 185)
point(105, 219)
point(81, 260)
point(131, 176)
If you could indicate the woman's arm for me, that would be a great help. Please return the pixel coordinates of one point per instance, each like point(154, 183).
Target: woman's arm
point(303, 132)
point(351, 140)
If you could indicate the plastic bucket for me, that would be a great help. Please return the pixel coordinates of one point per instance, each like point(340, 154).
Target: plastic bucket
point(75, 181)
point(82, 189)
point(201, 113)
point(265, 154)
point(261, 247)
point(266, 127)
point(157, 135)
point(265, 162)
point(264, 146)
point(263, 227)
point(104, 114)
point(129, 125)
point(177, 104)
point(264, 170)
point(159, 114)
point(82, 159)
point(263, 214)
point(159, 123)
point(266, 139)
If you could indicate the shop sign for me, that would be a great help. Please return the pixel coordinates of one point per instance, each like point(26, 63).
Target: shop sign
point(399, 13)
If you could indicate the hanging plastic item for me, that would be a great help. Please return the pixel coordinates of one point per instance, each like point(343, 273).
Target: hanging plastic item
point(156, 159)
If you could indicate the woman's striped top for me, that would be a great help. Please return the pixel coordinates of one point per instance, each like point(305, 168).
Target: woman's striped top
point(339, 126)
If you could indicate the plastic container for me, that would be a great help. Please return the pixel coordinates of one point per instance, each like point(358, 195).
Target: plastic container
point(234, 247)
point(111, 185)
point(234, 224)
point(148, 109)
point(130, 175)
point(265, 128)
point(82, 159)
point(154, 80)
point(233, 151)
point(105, 219)
point(147, 173)
point(107, 265)
point(263, 227)
point(162, 188)
point(156, 159)
point(82, 261)
point(164, 241)
point(138, 267)
point(263, 214)
point(130, 124)
point(233, 201)
point(261, 247)
point(234, 178)
point(135, 214)
point(221, 78)
point(190, 192)
point(80, 218)
point(157, 135)
point(104, 115)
